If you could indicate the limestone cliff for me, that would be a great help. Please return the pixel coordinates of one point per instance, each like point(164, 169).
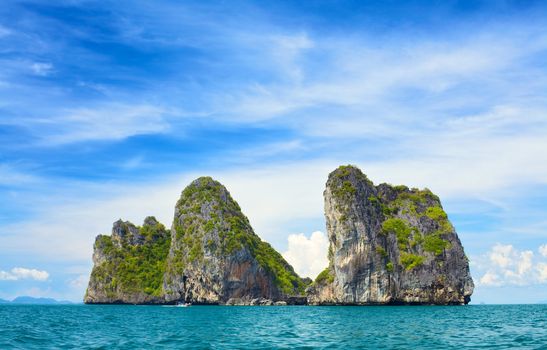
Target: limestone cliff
point(129, 265)
point(388, 245)
point(210, 256)
point(215, 256)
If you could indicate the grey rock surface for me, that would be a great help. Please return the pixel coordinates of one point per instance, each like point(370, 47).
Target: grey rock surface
point(388, 245)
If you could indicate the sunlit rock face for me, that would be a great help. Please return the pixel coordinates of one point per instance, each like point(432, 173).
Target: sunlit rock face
point(211, 255)
point(388, 245)
point(215, 256)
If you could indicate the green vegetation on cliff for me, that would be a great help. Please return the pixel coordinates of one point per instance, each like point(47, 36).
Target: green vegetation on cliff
point(209, 221)
point(416, 204)
point(324, 276)
point(344, 187)
point(410, 261)
point(129, 269)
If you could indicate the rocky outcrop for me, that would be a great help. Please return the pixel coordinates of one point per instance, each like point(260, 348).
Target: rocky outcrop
point(210, 256)
point(216, 258)
point(129, 264)
point(388, 245)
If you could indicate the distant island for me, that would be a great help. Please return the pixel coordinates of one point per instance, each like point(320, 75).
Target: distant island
point(387, 245)
point(35, 301)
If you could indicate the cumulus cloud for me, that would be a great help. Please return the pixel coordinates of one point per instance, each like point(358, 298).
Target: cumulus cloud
point(542, 272)
point(308, 256)
point(506, 265)
point(21, 273)
point(543, 250)
point(490, 279)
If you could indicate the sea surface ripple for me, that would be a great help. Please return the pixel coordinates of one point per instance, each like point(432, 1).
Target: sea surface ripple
point(273, 327)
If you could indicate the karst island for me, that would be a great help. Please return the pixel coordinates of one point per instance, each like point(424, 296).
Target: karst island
point(388, 245)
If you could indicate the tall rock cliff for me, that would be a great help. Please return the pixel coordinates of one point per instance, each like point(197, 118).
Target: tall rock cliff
point(129, 265)
point(388, 245)
point(215, 256)
point(210, 256)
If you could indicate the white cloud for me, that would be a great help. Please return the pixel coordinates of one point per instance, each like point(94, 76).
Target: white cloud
point(542, 271)
point(20, 273)
point(108, 122)
point(286, 49)
point(502, 255)
point(41, 69)
point(543, 250)
point(71, 217)
point(308, 256)
point(79, 282)
point(506, 265)
point(358, 73)
point(490, 279)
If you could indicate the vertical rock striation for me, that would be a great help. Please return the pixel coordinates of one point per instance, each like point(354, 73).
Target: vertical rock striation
point(215, 256)
point(388, 245)
point(210, 256)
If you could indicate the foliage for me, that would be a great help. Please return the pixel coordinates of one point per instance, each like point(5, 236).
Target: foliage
point(344, 190)
point(389, 266)
point(374, 200)
point(412, 201)
point(419, 204)
point(400, 188)
point(401, 230)
point(381, 251)
point(410, 261)
point(133, 269)
point(435, 244)
point(342, 176)
point(226, 225)
point(436, 213)
point(417, 239)
point(285, 277)
point(325, 276)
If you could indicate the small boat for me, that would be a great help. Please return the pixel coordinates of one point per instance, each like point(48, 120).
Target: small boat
point(183, 304)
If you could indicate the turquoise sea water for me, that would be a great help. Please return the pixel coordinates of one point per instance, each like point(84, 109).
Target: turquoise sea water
point(254, 327)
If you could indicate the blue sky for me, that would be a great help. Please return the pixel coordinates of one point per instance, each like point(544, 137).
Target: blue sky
point(108, 109)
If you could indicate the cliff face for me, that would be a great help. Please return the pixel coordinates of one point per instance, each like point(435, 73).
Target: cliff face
point(388, 245)
point(215, 256)
point(129, 265)
point(211, 256)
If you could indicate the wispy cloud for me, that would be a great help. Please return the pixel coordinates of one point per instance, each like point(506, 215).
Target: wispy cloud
point(292, 192)
point(42, 69)
point(457, 107)
point(11, 176)
point(106, 122)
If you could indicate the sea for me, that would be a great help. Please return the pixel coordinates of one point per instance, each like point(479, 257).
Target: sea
point(273, 327)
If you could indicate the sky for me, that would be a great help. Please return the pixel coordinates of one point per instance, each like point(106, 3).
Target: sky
point(108, 109)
